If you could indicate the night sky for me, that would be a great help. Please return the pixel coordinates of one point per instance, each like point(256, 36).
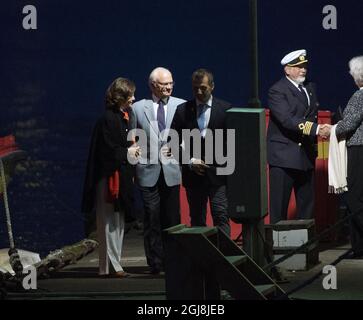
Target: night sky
point(53, 79)
point(81, 46)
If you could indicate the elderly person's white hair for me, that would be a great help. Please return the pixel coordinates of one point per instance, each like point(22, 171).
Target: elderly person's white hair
point(156, 72)
point(356, 70)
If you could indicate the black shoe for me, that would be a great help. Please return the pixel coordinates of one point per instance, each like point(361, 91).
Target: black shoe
point(138, 225)
point(355, 255)
point(155, 270)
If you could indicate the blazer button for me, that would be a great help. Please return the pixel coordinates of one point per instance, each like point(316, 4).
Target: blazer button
point(300, 144)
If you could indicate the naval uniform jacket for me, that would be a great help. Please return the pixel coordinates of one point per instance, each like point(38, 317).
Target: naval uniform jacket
point(292, 128)
point(108, 153)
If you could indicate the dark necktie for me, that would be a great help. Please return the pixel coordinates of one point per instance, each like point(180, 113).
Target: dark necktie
point(302, 91)
point(161, 116)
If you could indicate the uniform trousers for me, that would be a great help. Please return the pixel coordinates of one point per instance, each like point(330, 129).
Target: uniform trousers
point(282, 181)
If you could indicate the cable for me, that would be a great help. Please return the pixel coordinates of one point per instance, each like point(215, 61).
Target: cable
point(308, 243)
point(274, 272)
point(313, 278)
point(272, 265)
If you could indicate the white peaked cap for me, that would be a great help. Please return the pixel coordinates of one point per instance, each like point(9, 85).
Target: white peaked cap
point(294, 58)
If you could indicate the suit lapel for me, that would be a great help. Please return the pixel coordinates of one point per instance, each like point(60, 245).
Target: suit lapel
point(149, 114)
point(170, 112)
point(312, 100)
point(213, 114)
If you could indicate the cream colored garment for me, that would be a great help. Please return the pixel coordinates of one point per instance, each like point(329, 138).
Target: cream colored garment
point(110, 232)
point(337, 164)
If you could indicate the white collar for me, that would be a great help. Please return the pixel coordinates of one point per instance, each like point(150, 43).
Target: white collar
point(156, 99)
point(294, 83)
point(209, 102)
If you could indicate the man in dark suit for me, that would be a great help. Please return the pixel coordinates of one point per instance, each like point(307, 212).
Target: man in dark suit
point(205, 114)
point(291, 139)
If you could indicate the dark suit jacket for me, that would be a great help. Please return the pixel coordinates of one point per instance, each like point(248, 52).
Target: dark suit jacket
point(108, 153)
point(186, 118)
point(292, 128)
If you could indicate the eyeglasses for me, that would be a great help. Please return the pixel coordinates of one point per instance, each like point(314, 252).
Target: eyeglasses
point(165, 84)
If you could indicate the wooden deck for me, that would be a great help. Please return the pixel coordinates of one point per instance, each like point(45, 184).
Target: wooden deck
point(81, 280)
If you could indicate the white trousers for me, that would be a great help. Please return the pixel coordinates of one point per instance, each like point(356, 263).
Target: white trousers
point(110, 231)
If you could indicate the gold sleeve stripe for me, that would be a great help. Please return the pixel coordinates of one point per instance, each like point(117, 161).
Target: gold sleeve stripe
point(308, 126)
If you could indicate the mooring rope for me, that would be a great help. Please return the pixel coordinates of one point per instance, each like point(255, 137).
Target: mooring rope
point(6, 204)
point(14, 258)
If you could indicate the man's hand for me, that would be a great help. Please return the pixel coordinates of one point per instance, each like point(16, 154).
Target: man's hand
point(134, 151)
point(166, 151)
point(199, 167)
point(324, 131)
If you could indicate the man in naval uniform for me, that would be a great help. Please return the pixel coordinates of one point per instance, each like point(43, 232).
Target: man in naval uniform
point(291, 139)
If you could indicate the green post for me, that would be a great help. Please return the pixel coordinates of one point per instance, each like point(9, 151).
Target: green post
point(254, 101)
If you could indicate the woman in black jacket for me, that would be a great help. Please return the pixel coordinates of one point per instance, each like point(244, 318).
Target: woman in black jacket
point(108, 186)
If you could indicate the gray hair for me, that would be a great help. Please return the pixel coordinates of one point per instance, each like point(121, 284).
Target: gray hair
point(155, 73)
point(356, 69)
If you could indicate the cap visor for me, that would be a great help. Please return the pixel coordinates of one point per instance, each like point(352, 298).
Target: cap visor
point(297, 64)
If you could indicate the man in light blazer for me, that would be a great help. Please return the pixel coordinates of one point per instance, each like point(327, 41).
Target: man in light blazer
point(159, 182)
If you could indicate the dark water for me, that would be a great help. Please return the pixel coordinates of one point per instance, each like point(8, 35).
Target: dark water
point(44, 195)
point(53, 80)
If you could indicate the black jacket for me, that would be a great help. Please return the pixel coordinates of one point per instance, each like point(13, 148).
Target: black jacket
point(186, 118)
point(108, 153)
point(292, 128)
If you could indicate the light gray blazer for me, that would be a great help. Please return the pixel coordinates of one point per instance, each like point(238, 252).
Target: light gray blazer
point(144, 117)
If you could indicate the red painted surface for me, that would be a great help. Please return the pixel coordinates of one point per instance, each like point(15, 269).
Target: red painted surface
point(326, 205)
point(235, 228)
point(7, 145)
